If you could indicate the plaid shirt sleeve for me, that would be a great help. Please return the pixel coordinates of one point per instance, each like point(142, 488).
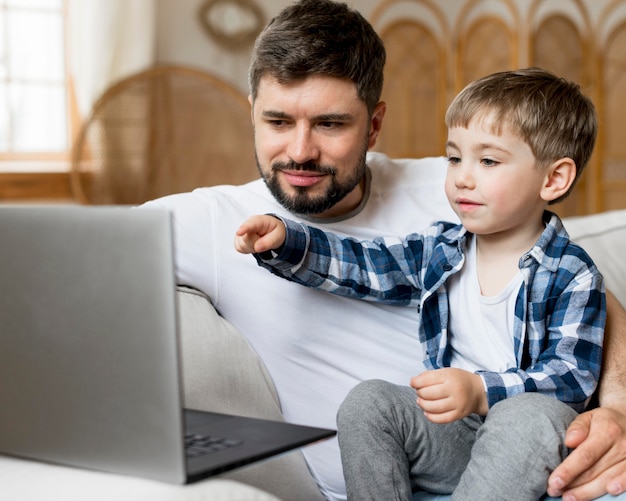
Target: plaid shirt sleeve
point(383, 270)
point(564, 324)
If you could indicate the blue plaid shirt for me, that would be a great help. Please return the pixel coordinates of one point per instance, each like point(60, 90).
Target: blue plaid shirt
point(559, 312)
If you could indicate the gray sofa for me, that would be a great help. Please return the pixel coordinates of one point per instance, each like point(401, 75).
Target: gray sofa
point(222, 372)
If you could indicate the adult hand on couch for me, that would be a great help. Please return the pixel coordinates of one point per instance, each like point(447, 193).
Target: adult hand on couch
point(597, 465)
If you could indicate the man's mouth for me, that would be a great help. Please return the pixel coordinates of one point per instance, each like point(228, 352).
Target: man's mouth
point(302, 178)
point(303, 175)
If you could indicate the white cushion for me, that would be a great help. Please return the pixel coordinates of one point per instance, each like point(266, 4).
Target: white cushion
point(603, 236)
point(32, 481)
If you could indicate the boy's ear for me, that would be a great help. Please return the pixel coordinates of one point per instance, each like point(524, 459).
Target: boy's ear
point(560, 175)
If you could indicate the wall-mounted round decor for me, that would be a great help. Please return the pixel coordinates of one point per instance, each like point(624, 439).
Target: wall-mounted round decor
point(233, 24)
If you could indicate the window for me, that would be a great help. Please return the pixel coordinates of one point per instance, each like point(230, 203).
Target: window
point(34, 123)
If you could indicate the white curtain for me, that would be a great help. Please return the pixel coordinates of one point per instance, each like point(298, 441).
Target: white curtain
point(108, 40)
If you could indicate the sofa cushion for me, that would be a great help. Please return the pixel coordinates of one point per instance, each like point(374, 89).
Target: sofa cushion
point(603, 236)
point(26, 480)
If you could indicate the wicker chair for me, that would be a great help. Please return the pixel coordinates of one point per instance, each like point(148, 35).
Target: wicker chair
point(165, 130)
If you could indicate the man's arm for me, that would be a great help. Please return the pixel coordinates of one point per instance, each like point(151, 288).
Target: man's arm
point(612, 389)
point(598, 463)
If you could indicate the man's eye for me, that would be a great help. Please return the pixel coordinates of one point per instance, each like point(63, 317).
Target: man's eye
point(330, 125)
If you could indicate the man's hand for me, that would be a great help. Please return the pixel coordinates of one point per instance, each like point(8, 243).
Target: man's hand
point(598, 463)
point(446, 395)
point(260, 234)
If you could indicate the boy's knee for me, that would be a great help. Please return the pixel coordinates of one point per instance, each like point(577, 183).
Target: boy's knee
point(367, 399)
point(363, 395)
point(526, 418)
point(529, 407)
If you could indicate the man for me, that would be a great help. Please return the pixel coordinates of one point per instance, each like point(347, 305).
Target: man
point(316, 77)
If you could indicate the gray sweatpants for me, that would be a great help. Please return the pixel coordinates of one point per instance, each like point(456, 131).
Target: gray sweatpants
point(389, 449)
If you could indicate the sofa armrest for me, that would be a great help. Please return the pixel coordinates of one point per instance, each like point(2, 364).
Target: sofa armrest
point(222, 373)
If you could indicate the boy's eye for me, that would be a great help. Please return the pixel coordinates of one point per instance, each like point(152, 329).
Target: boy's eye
point(488, 162)
point(453, 160)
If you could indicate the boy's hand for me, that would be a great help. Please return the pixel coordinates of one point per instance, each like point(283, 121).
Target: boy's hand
point(446, 395)
point(260, 234)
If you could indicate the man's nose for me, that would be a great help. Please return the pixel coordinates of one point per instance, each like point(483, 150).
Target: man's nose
point(302, 146)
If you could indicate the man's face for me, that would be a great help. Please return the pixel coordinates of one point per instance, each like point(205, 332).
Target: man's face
point(311, 138)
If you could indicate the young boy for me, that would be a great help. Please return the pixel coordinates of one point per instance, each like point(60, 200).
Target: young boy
point(508, 305)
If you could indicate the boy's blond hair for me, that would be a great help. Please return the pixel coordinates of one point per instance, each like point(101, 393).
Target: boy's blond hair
point(549, 113)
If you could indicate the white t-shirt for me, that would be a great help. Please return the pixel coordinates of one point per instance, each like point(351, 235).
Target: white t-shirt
point(316, 346)
point(481, 328)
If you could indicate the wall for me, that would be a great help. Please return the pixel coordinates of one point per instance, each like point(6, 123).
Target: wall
point(181, 39)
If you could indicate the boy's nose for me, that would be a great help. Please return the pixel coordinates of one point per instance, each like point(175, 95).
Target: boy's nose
point(463, 177)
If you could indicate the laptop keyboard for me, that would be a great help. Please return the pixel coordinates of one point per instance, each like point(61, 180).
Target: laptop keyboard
point(200, 445)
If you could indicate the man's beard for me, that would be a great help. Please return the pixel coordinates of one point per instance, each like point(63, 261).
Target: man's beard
point(301, 202)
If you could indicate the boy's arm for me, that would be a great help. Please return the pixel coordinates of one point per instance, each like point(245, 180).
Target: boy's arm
point(384, 270)
point(260, 234)
point(597, 464)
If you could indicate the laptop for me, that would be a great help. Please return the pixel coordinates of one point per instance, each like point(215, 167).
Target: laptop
point(89, 364)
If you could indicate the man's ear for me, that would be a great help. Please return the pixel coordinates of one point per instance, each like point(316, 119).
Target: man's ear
point(560, 176)
point(251, 108)
point(376, 124)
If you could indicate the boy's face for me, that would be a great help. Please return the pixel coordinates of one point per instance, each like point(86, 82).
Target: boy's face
point(311, 137)
point(492, 181)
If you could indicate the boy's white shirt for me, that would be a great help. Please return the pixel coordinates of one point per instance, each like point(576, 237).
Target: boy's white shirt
point(481, 327)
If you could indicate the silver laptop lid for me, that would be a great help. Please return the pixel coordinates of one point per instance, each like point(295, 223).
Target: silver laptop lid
point(72, 280)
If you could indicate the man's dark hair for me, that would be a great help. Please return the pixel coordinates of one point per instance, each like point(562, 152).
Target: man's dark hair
point(320, 37)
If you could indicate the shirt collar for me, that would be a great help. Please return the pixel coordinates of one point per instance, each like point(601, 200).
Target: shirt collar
point(551, 245)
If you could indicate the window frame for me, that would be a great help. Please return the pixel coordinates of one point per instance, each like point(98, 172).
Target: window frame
point(46, 161)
